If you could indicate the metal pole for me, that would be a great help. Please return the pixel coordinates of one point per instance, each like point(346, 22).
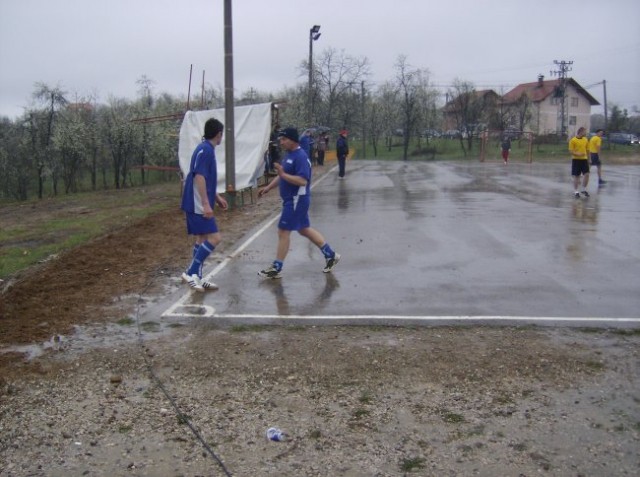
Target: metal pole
point(202, 93)
point(230, 163)
point(189, 90)
point(606, 114)
point(310, 118)
point(364, 128)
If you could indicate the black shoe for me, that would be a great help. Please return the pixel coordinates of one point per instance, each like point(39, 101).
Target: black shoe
point(577, 195)
point(601, 182)
point(585, 193)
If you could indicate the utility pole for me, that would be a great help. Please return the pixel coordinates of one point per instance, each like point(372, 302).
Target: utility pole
point(606, 116)
point(229, 111)
point(563, 68)
point(364, 128)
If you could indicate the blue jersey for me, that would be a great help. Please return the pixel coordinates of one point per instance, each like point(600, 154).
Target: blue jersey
point(305, 144)
point(203, 162)
point(296, 163)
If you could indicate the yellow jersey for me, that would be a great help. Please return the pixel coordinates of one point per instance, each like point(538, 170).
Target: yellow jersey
point(594, 144)
point(578, 147)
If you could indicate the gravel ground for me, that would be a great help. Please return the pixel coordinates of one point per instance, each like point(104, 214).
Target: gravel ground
point(353, 401)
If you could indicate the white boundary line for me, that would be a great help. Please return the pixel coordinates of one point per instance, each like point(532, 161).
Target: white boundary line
point(426, 318)
point(207, 311)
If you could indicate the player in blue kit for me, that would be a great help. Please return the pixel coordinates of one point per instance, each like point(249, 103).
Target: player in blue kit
point(294, 181)
point(198, 199)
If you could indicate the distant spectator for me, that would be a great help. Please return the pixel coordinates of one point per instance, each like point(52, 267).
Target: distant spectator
point(342, 151)
point(506, 148)
point(306, 143)
point(323, 141)
point(595, 144)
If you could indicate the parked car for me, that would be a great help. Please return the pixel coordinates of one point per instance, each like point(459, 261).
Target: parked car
point(452, 134)
point(431, 133)
point(511, 133)
point(623, 138)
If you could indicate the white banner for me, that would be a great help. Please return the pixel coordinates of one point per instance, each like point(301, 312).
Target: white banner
point(252, 129)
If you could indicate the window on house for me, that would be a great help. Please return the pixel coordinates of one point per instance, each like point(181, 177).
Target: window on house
point(572, 120)
point(555, 101)
point(574, 102)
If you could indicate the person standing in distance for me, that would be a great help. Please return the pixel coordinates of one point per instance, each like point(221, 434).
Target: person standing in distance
point(306, 143)
point(595, 144)
point(322, 147)
point(506, 148)
point(578, 147)
point(294, 182)
point(342, 151)
point(198, 200)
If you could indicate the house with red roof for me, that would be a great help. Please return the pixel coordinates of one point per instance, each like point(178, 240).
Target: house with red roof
point(541, 102)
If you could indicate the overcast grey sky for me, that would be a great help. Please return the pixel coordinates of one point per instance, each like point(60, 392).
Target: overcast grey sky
point(103, 47)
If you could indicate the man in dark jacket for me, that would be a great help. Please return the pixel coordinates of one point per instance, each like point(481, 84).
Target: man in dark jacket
point(342, 151)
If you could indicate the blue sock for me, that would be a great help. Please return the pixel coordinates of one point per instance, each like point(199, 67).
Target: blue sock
point(196, 246)
point(204, 250)
point(278, 264)
point(326, 251)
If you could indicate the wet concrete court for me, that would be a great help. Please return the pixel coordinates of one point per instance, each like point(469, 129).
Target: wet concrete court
point(443, 242)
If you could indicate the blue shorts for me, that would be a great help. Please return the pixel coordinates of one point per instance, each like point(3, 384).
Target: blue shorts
point(595, 159)
point(295, 214)
point(579, 167)
point(199, 225)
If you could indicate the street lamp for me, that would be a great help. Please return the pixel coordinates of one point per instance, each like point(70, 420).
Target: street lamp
point(314, 34)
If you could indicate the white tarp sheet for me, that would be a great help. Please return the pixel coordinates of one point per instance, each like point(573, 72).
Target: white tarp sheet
point(252, 130)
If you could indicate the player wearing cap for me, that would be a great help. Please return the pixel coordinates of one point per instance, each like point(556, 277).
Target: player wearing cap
point(294, 182)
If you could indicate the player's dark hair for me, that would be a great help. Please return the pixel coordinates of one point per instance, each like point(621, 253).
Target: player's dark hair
point(212, 127)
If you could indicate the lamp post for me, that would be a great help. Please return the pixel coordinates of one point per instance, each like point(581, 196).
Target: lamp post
point(314, 34)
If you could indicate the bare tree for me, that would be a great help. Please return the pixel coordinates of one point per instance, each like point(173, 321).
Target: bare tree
point(411, 86)
point(336, 77)
point(465, 110)
point(376, 122)
point(387, 101)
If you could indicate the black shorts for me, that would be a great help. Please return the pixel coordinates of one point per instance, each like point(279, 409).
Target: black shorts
point(579, 167)
point(595, 159)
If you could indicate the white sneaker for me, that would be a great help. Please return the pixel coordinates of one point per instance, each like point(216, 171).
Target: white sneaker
point(193, 281)
point(331, 263)
point(207, 285)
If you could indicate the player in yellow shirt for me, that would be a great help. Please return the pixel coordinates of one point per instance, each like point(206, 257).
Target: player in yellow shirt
point(579, 148)
point(595, 143)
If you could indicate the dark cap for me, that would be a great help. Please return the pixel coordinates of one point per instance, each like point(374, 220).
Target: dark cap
point(289, 133)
